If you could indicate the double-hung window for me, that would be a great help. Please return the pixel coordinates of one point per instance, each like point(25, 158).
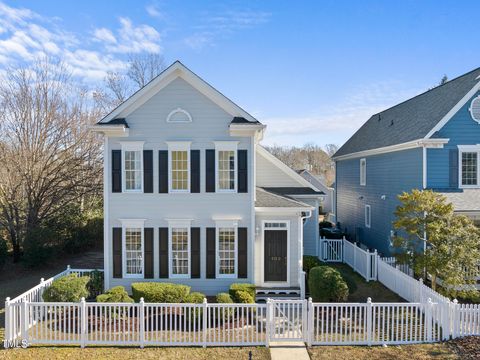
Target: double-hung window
point(469, 170)
point(133, 239)
point(179, 249)
point(133, 166)
point(363, 172)
point(179, 163)
point(227, 250)
point(226, 155)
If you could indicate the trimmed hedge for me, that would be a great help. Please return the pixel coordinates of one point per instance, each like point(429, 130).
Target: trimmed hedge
point(195, 298)
point(70, 288)
point(117, 294)
point(237, 287)
point(224, 298)
point(160, 292)
point(326, 285)
point(244, 297)
point(310, 262)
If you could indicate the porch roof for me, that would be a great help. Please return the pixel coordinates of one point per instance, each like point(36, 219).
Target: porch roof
point(464, 200)
point(268, 199)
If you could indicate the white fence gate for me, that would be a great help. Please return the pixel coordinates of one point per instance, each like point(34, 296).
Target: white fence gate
point(287, 320)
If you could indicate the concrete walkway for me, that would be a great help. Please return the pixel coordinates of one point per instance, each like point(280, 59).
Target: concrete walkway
point(288, 351)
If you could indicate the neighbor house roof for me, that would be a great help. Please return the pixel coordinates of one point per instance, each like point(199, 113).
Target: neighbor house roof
point(412, 119)
point(267, 199)
point(293, 191)
point(465, 200)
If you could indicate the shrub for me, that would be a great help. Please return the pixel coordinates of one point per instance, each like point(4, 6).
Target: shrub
point(325, 224)
point(39, 246)
point(195, 298)
point(224, 298)
point(237, 287)
point(244, 297)
point(310, 262)
point(70, 288)
point(3, 252)
point(160, 292)
point(95, 283)
point(117, 294)
point(326, 284)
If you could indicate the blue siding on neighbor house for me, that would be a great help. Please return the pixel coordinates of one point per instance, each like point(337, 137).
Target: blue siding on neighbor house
point(461, 130)
point(387, 174)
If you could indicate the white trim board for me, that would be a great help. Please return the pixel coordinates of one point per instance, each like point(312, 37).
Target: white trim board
point(453, 111)
point(285, 168)
point(262, 254)
point(174, 71)
point(427, 143)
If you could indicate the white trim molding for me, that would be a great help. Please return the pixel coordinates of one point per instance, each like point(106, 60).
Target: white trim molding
point(179, 111)
point(179, 224)
point(178, 146)
point(262, 255)
point(427, 143)
point(468, 149)
point(111, 130)
point(475, 109)
point(225, 224)
point(226, 146)
point(132, 146)
point(132, 224)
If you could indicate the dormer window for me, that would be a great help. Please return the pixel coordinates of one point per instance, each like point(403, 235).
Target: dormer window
point(475, 109)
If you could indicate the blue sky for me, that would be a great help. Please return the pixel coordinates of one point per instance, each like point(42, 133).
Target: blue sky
point(312, 71)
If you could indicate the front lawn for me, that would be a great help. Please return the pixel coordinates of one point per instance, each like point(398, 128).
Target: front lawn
point(363, 289)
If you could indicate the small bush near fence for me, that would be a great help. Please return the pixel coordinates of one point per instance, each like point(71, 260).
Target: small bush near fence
point(69, 288)
point(236, 289)
point(326, 284)
point(117, 294)
point(195, 298)
point(224, 298)
point(160, 292)
point(310, 262)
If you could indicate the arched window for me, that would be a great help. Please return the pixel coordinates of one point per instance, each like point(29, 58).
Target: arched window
point(475, 109)
point(179, 116)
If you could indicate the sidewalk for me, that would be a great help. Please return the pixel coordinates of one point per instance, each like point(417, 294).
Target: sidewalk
point(289, 351)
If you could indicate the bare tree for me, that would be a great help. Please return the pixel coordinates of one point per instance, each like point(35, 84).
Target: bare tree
point(144, 67)
point(118, 84)
point(48, 158)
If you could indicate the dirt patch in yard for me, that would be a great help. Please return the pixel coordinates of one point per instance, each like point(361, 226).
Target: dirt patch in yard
point(467, 348)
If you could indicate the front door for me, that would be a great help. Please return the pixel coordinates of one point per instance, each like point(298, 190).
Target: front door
point(275, 255)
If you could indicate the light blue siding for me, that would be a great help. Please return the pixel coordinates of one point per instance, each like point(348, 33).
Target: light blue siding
point(310, 229)
point(461, 130)
point(387, 174)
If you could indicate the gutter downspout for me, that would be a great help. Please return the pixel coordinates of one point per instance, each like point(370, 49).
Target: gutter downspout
point(301, 273)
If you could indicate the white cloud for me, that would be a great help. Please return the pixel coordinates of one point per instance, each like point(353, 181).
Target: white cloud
point(105, 35)
point(154, 11)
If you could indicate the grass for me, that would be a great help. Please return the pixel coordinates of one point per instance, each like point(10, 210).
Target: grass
point(363, 290)
point(405, 352)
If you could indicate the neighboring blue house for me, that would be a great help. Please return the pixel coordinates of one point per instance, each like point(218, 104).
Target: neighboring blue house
point(431, 141)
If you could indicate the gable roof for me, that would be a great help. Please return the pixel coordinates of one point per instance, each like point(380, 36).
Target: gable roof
point(268, 199)
point(174, 71)
point(414, 118)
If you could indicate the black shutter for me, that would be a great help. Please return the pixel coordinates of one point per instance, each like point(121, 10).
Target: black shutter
point(148, 171)
point(116, 171)
point(210, 170)
point(453, 168)
point(195, 253)
point(194, 171)
point(242, 171)
point(163, 249)
point(117, 252)
point(211, 255)
point(242, 253)
point(148, 253)
point(163, 171)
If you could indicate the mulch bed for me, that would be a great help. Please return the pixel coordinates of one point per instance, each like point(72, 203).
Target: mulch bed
point(467, 348)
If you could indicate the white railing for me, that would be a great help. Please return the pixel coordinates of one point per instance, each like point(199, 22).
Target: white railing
point(402, 267)
point(342, 250)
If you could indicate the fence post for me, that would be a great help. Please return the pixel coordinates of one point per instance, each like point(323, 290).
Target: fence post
point(68, 269)
point(368, 270)
point(375, 266)
point(369, 321)
point(142, 323)
point(83, 321)
point(42, 288)
point(455, 321)
point(8, 321)
point(310, 319)
point(24, 320)
point(205, 321)
point(355, 257)
point(420, 290)
point(343, 249)
point(268, 323)
point(428, 320)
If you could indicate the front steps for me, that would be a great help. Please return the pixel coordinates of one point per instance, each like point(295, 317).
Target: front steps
point(277, 293)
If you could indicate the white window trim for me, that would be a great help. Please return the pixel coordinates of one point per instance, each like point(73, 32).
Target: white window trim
point(262, 255)
point(178, 146)
point(225, 224)
point(132, 146)
point(179, 223)
point(226, 146)
point(128, 224)
point(363, 172)
point(179, 110)
point(368, 219)
point(467, 149)
point(471, 109)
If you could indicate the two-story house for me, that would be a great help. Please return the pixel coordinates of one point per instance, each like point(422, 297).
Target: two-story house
point(191, 197)
point(431, 141)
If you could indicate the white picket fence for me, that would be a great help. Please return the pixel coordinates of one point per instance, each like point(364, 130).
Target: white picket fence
point(342, 250)
point(402, 267)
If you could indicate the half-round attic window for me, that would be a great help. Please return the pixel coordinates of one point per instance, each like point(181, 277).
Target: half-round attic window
point(475, 109)
point(179, 116)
